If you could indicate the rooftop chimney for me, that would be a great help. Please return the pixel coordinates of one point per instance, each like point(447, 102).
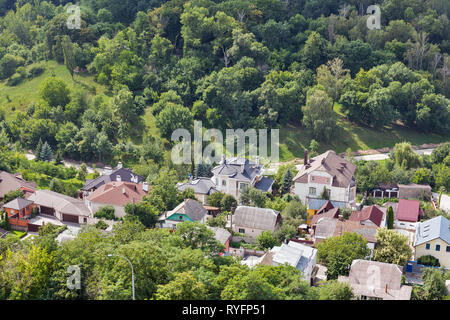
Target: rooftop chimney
point(305, 160)
point(224, 160)
point(119, 165)
point(145, 186)
point(257, 161)
point(123, 190)
point(107, 171)
point(118, 178)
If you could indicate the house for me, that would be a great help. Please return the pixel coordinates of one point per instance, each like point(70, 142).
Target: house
point(12, 182)
point(433, 238)
point(368, 232)
point(300, 256)
point(329, 171)
point(372, 280)
point(371, 215)
point(232, 175)
point(223, 236)
point(318, 206)
point(407, 214)
point(401, 191)
point(203, 187)
point(119, 174)
point(117, 195)
point(19, 212)
point(64, 208)
point(188, 210)
point(252, 221)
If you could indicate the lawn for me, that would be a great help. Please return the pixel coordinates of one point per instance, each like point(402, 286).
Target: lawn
point(19, 97)
point(20, 234)
point(294, 138)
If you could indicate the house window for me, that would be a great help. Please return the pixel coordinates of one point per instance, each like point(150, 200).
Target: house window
point(329, 193)
point(224, 183)
point(427, 246)
point(241, 230)
point(242, 185)
point(312, 191)
point(448, 249)
point(438, 247)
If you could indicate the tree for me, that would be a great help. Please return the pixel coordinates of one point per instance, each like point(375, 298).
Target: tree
point(434, 284)
point(185, 286)
point(46, 152)
point(266, 240)
point(146, 213)
point(11, 195)
point(318, 115)
point(324, 194)
point(228, 203)
point(215, 199)
point(252, 196)
point(337, 253)
point(82, 172)
point(106, 212)
point(38, 150)
point(197, 236)
point(392, 247)
point(314, 53)
point(334, 290)
point(69, 58)
point(287, 182)
point(404, 156)
point(172, 118)
point(55, 92)
point(390, 218)
point(332, 77)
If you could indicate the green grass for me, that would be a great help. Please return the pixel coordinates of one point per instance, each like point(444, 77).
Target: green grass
point(27, 91)
point(20, 234)
point(294, 138)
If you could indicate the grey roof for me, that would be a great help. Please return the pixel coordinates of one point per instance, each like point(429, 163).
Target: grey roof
point(264, 184)
point(3, 233)
point(377, 279)
point(325, 227)
point(60, 202)
point(295, 254)
point(18, 204)
point(222, 235)
point(438, 227)
point(238, 168)
point(126, 175)
point(192, 208)
point(255, 218)
point(11, 182)
point(317, 203)
point(200, 185)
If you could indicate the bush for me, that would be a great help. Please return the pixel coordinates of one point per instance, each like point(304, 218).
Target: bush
point(101, 225)
point(35, 71)
point(106, 212)
point(15, 79)
point(429, 260)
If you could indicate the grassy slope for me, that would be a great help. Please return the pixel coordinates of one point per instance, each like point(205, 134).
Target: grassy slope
point(28, 90)
point(293, 138)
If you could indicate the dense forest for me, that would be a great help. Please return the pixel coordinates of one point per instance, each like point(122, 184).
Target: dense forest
point(230, 64)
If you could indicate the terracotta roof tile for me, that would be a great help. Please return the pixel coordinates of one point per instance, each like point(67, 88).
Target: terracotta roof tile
point(118, 193)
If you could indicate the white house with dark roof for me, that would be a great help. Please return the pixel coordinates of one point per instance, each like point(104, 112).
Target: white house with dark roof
point(232, 175)
point(188, 210)
point(252, 221)
point(119, 174)
point(329, 171)
point(300, 256)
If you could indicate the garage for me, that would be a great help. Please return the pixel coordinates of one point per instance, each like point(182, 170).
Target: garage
point(48, 211)
point(70, 218)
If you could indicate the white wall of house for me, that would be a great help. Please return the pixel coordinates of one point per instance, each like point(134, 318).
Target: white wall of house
point(95, 206)
point(406, 225)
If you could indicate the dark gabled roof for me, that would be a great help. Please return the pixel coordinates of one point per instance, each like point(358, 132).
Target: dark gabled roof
point(317, 203)
point(238, 168)
point(18, 204)
point(190, 207)
point(126, 175)
point(200, 185)
point(264, 184)
point(256, 218)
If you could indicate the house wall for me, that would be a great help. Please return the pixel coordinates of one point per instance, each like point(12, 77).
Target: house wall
point(249, 233)
point(95, 206)
point(407, 225)
point(442, 255)
point(24, 212)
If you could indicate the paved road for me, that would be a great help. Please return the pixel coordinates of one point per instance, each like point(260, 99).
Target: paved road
point(382, 156)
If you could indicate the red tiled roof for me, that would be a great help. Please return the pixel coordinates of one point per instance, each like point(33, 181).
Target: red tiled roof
point(118, 193)
point(408, 210)
point(371, 213)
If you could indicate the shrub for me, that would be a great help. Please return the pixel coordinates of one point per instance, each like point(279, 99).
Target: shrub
point(35, 71)
point(429, 260)
point(106, 212)
point(101, 225)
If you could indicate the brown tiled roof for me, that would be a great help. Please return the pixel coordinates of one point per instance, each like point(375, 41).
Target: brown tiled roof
point(367, 232)
point(118, 193)
point(10, 182)
point(371, 213)
point(333, 213)
point(339, 168)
